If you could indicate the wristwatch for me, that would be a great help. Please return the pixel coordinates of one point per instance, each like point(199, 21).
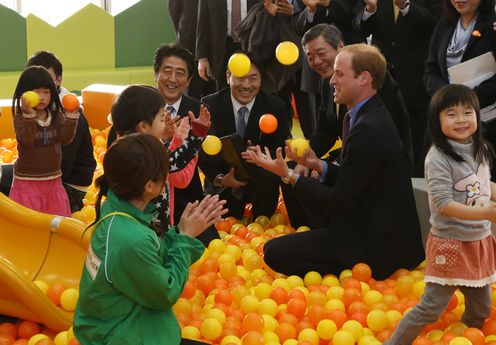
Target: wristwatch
point(218, 180)
point(288, 177)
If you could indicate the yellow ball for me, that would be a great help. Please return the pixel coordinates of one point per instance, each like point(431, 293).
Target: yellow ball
point(211, 145)
point(268, 306)
point(239, 65)
point(191, 332)
point(35, 338)
point(460, 341)
point(69, 299)
point(418, 288)
point(89, 212)
point(290, 342)
point(211, 329)
point(345, 274)
point(231, 339)
point(435, 334)
point(330, 280)
point(372, 297)
point(41, 285)
point(31, 98)
point(70, 334)
point(335, 292)
point(287, 53)
point(61, 338)
point(270, 337)
point(366, 340)
point(294, 281)
point(312, 278)
point(270, 323)
point(335, 304)
point(393, 316)
point(303, 228)
point(263, 290)
point(249, 304)
point(300, 145)
point(217, 246)
point(326, 329)
point(343, 338)
point(377, 320)
point(354, 327)
point(216, 313)
point(310, 335)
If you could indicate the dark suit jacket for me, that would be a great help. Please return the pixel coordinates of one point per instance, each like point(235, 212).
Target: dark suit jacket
point(223, 123)
point(184, 14)
point(211, 33)
point(329, 125)
point(404, 43)
point(369, 198)
point(436, 73)
point(194, 191)
point(341, 13)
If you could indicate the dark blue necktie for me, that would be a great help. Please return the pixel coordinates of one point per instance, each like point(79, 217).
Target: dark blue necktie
point(241, 122)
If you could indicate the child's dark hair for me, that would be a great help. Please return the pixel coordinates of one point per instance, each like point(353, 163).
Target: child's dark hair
point(135, 104)
point(449, 96)
point(129, 164)
point(47, 60)
point(36, 77)
point(177, 50)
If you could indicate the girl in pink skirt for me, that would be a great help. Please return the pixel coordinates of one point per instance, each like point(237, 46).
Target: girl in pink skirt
point(460, 250)
point(40, 130)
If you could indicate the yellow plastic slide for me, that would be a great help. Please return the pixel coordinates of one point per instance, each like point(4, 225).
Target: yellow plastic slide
point(37, 246)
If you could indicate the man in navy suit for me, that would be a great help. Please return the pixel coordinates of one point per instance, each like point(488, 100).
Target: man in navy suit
point(238, 109)
point(368, 198)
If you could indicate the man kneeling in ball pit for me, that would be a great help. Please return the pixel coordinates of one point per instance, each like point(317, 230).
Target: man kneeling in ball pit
point(368, 198)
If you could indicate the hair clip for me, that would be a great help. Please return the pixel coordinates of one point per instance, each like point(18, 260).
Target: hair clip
point(476, 33)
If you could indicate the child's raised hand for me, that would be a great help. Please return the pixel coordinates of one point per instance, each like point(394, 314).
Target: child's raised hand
point(198, 216)
point(27, 111)
point(181, 129)
point(170, 123)
point(201, 124)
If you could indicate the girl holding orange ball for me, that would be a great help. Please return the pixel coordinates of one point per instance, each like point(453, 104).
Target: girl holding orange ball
point(41, 127)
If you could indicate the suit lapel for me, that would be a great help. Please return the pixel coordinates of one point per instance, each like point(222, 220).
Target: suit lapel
point(229, 123)
point(480, 25)
point(183, 106)
point(443, 46)
point(255, 114)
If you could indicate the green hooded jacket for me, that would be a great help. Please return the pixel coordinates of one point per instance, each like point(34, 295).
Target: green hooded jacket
point(131, 279)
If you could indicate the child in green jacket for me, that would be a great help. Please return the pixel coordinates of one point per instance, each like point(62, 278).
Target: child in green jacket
point(131, 278)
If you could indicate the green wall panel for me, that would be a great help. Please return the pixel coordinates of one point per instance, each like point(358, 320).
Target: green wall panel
point(139, 30)
point(84, 40)
point(12, 40)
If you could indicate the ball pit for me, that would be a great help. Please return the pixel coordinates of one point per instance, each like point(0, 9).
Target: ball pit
point(233, 297)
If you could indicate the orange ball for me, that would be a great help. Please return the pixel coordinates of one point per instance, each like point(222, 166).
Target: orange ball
point(297, 307)
point(475, 336)
point(70, 102)
point(54, 292)
point(253, 322)
point(361, 272)
point(8, 328)
point(268, 123)
point(6, 339)
point(27, 329)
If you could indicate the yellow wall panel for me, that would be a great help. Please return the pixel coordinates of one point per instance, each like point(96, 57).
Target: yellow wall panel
point(84, 40)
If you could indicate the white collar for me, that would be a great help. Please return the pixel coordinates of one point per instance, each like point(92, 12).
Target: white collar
point(175, 105)
point(237, 105)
